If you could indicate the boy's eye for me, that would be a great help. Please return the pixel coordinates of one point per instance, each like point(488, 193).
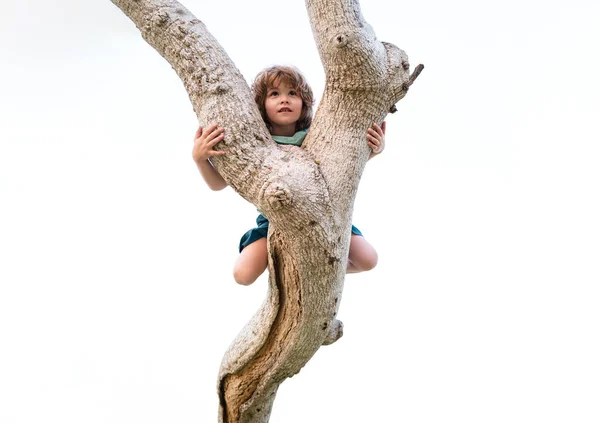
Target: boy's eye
point(292, 92)
point(273, 93)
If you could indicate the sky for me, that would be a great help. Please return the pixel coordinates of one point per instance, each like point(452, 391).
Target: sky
point(117, 300)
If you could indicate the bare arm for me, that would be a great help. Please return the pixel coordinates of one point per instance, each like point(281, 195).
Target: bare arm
point(204, 141)
point(376, 139)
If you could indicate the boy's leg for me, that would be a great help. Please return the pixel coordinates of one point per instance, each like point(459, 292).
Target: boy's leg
point(362, 255)
point(251, 263)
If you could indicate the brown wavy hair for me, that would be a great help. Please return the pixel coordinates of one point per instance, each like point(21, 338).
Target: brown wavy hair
point(273, 76)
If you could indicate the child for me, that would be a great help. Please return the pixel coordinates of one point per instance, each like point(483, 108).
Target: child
point(285, 102)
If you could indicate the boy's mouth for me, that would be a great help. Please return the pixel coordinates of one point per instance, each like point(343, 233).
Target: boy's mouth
point(285, 109)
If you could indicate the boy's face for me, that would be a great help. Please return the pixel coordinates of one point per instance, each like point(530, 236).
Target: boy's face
point(284, 107)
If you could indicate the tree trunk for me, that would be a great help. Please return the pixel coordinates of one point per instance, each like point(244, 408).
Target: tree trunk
point(306, 193)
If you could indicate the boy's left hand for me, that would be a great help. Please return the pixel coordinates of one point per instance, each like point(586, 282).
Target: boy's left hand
point(376, 139)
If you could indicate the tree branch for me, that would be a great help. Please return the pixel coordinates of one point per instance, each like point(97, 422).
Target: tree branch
point(365, 79)
point(216, 88)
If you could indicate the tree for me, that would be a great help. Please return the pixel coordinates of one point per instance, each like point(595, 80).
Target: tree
point(306, 193)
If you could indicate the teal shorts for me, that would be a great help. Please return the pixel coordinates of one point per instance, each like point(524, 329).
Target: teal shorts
point(262, 227)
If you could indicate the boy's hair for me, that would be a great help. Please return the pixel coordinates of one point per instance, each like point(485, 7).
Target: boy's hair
point(274, 75)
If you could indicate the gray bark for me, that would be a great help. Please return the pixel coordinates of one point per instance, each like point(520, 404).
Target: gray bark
point(316, 184)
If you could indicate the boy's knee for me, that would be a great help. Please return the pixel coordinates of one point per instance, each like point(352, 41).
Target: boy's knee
point(243, 277)
point(371, 263)
point(368, 263)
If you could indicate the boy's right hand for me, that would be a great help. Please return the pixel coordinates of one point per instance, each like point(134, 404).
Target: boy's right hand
point(204, 141)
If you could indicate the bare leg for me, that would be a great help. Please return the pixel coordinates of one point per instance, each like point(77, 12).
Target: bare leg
point(362, 255)
point(251, 263)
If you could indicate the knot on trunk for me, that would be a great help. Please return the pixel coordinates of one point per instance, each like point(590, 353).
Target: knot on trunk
point(219, 88)
point(277, 194)
point(160, 18)
point(336, 331)
point(340, 40)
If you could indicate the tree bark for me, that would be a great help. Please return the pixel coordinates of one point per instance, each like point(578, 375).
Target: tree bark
point(306, 193)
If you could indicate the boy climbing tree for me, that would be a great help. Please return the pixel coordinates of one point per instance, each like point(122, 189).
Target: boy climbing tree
point(307, 193)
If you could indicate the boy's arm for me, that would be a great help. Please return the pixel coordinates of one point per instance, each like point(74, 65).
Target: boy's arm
point(204, 141)
point(211, 176)
point(376, 139)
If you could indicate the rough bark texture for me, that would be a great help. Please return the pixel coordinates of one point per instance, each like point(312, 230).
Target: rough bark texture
point(316, 184)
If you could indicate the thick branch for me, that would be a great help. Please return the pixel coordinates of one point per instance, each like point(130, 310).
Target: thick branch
point(365, 78)
point(217, 90)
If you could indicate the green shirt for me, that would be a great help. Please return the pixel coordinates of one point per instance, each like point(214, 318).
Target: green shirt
point(295, 139)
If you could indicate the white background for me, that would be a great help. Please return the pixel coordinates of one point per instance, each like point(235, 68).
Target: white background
point(116, 295)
